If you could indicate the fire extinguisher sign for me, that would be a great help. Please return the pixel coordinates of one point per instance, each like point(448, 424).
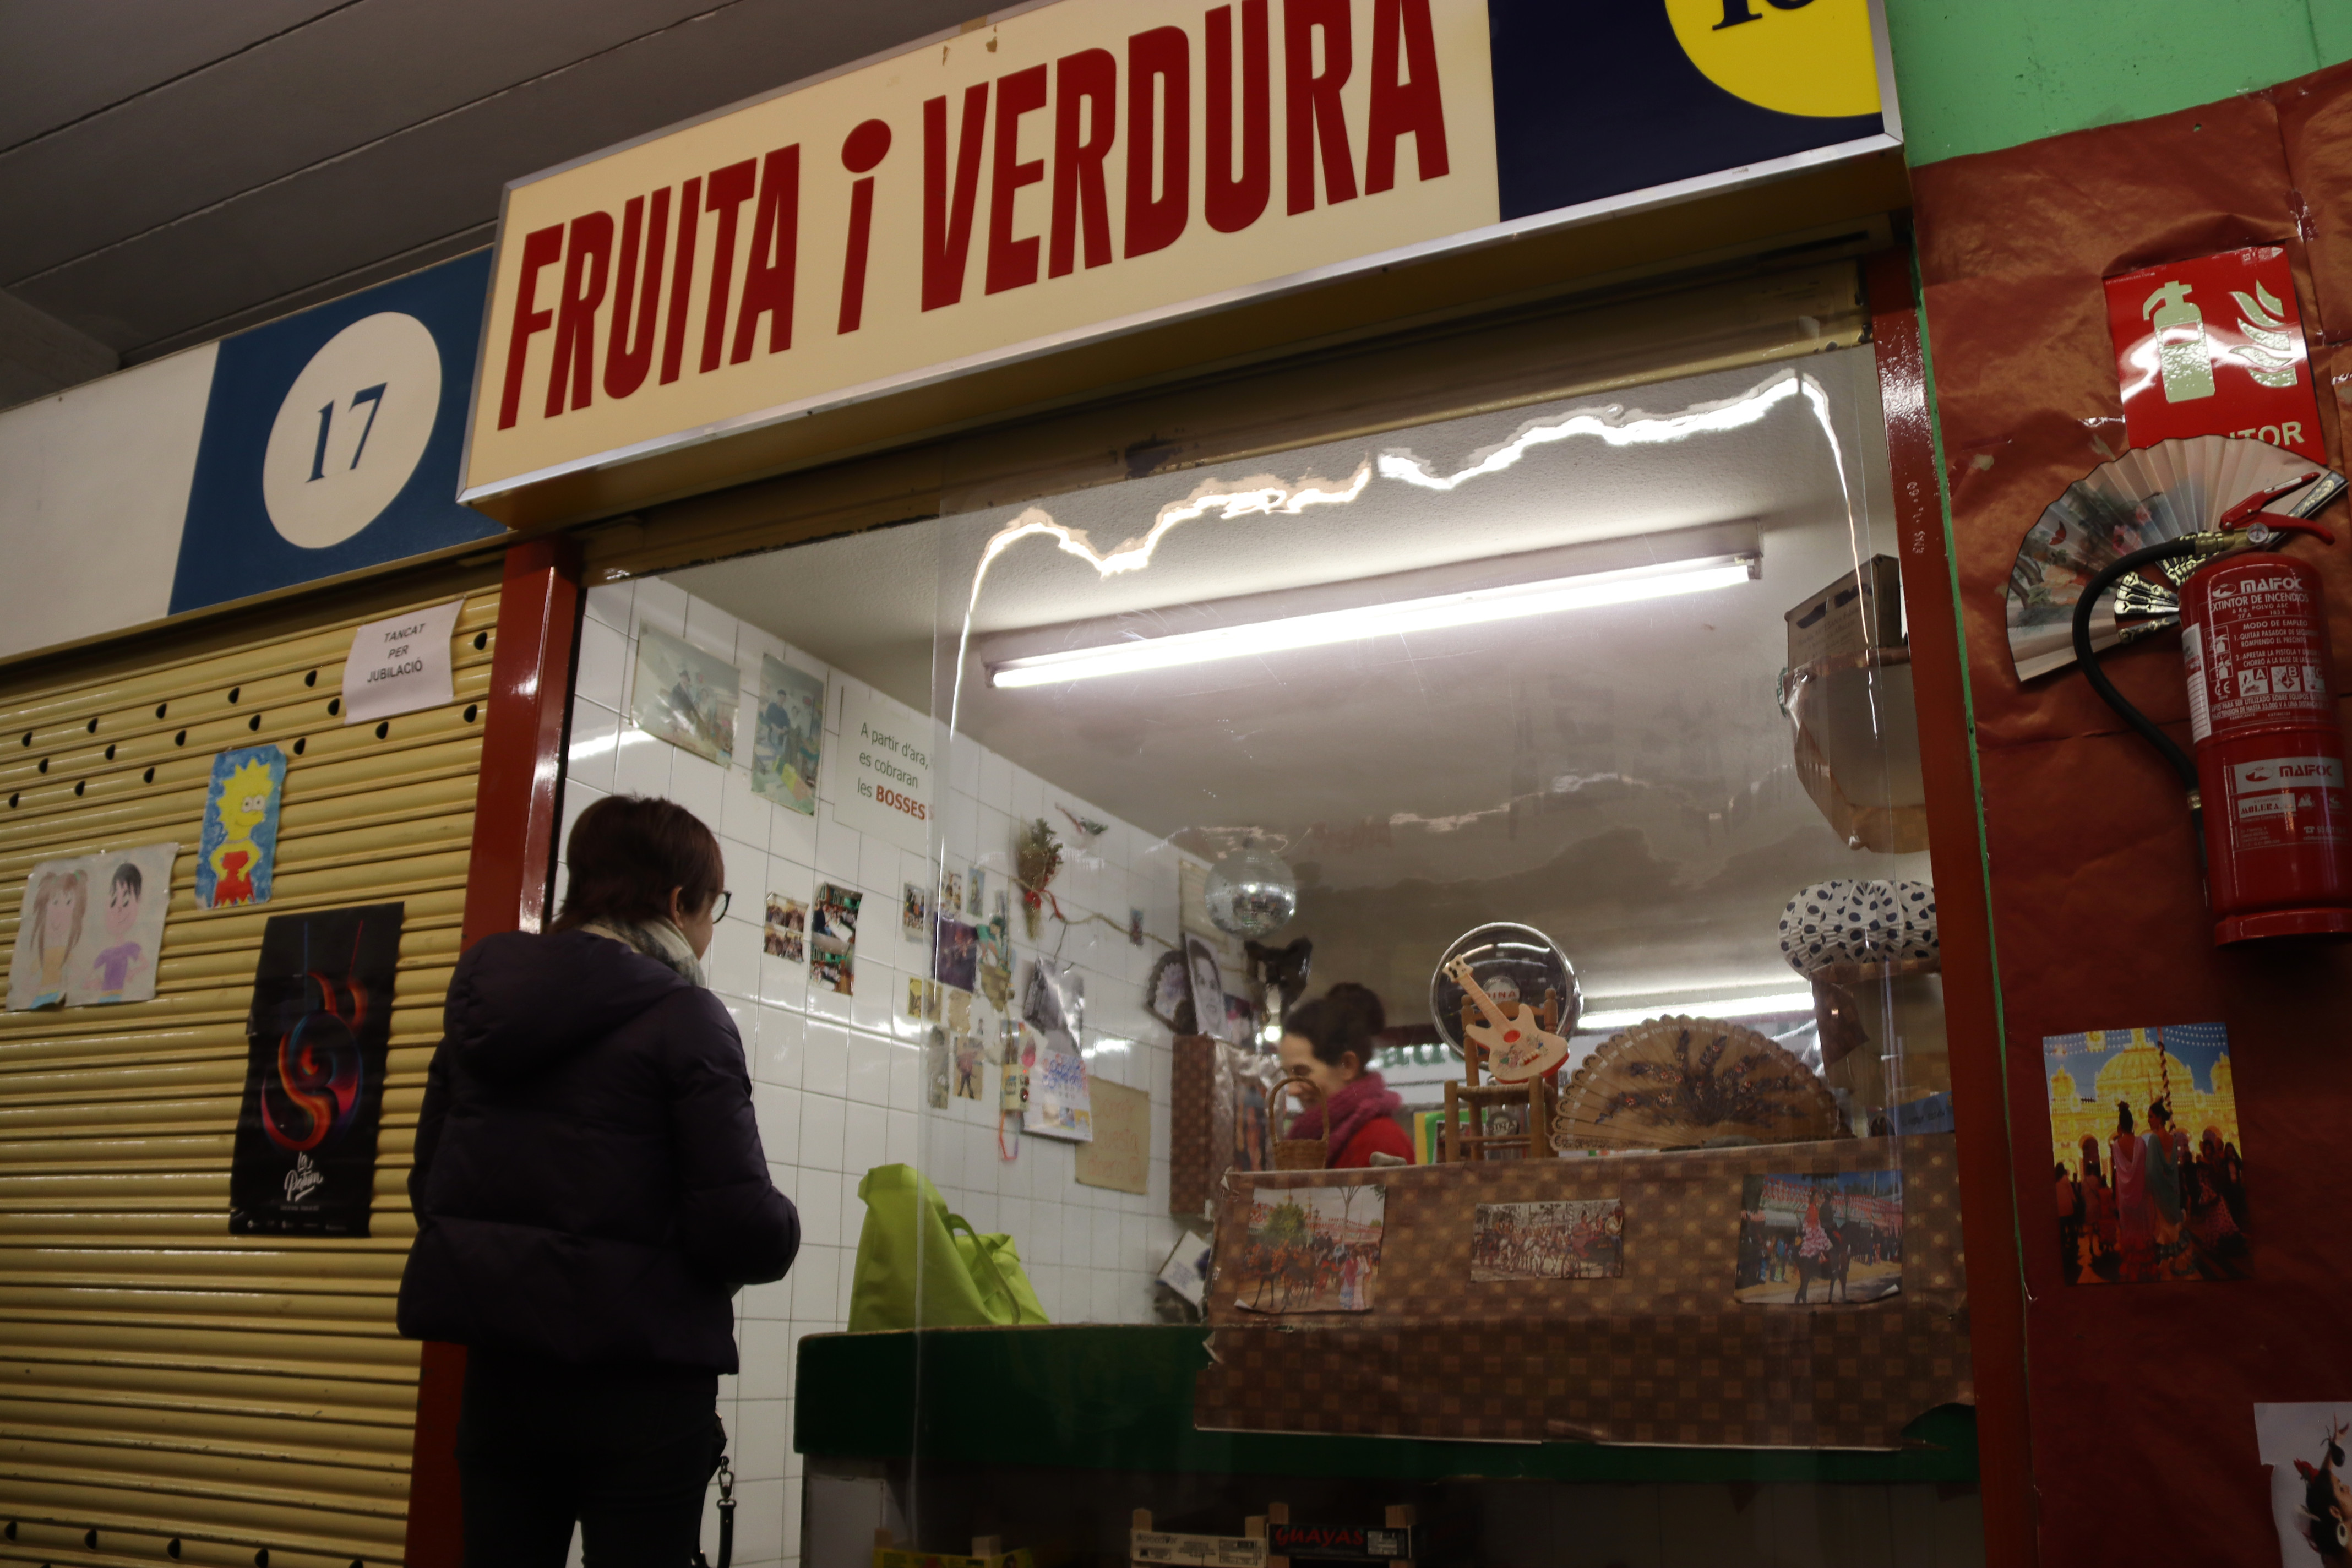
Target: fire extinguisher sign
point(2213, 346)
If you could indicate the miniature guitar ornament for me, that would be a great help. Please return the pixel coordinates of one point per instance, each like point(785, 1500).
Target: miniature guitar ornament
point(1517, 1049)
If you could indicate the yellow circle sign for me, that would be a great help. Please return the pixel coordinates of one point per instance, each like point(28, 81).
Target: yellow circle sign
point(1795, 56)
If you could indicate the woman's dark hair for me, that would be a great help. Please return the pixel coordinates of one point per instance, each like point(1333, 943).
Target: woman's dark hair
point(627, 852)
point(2123, 1115)
point(1343, 1019)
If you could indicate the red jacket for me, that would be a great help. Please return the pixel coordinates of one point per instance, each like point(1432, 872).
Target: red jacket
point(1380, 1136)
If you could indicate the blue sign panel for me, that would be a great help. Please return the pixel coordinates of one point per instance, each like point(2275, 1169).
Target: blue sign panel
point(332, 439)
point(1600, 97)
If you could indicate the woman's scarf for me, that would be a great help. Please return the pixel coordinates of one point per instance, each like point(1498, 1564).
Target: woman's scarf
point(1348, 1112)
point(657, 940)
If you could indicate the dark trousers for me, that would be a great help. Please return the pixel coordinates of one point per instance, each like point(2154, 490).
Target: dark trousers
point(627, 1452)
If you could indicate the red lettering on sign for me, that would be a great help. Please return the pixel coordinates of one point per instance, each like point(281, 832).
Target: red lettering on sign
point(1013, 263)
point(1402, 107)
point(864, 148)
point(1085, 122)
point(540, 248)
point(775, 256)
point(1312, 115)
point(728, 189)
point(587, 265)
point(1159, 66)
point(629, 355)
point(1230, 202)
point(947, 223)
point(681, 278)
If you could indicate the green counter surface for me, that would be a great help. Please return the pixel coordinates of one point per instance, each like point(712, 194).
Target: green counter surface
point(1121, 1398)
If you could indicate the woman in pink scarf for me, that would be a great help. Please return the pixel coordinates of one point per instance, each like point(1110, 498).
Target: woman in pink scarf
point(1330, 1041)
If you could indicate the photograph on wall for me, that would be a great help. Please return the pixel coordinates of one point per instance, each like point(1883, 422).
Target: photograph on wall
point(994, 966)
point(1208, 990)
point(833, 937)
point(922, 998)
point(1059, 1105)
point(950, 893)
point(1819, 1240)
point(685, 696)
point(969, 1061)
point(239, 845)
point(1569, 1240)
point(935, 1067)
point(2311, 1490)
point(975, 893)
point(2145, 1155)
point(915, 911)
point(958, 1011)
point(304, 1158)
point(1168, 995)
point(788, 735)
point(955, 955)
point(1310, 1249)
point(91, 928)
point(785, 930)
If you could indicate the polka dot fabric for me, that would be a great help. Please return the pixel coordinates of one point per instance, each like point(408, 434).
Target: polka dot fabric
point(1843, 921)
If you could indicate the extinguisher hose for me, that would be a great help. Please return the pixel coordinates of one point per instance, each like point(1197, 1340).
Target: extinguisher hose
point(2182, 763)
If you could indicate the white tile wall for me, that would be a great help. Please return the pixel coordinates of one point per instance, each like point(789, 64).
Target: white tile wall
point(837, 1083)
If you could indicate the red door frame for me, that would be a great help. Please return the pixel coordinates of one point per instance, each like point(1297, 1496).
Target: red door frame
point(507, 880)
point(1988, 1215)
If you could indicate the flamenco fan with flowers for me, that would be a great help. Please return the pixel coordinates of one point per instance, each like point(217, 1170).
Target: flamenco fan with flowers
point(1678, 1083)
point(2170, 490)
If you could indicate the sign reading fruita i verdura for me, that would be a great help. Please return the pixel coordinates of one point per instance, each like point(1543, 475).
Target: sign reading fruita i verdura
point(883, 769)
point(400, 664)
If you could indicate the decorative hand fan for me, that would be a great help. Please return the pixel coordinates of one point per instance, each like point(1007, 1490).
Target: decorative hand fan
point(2169, 490)
point(1676, 1083)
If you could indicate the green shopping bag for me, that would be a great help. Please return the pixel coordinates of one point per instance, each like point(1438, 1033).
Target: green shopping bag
point(964, 1280)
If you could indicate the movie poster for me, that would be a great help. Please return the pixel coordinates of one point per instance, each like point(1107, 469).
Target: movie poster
point(2144, 1151)
point(306, 1128)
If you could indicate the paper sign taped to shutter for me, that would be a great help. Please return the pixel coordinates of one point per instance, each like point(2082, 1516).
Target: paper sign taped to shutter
point(400, 664)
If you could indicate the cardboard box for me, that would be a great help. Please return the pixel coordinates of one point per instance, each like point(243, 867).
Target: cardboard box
point(1862, 609)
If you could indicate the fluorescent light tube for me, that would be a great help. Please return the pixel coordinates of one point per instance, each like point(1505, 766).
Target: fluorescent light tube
point(1403, 618)
point(1743, 1007)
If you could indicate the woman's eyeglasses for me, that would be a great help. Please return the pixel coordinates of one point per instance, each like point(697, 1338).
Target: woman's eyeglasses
point(719, 909)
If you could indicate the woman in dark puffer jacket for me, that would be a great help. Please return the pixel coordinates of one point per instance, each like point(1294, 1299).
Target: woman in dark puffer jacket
point(590, 1191)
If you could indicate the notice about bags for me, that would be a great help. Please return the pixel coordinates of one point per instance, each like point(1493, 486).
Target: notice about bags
point(882, 769)
point(316, 1039)
point(400, 664)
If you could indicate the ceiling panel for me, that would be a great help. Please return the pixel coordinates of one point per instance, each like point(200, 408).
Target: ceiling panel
point(439, 178)
point(58, 63)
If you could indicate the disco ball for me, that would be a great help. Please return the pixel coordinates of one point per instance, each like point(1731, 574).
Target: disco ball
point(1251, 893)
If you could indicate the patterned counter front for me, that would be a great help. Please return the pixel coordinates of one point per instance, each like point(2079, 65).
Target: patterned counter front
point(1660, 1353)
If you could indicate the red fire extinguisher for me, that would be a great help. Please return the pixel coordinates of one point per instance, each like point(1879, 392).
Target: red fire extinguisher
point(2267, 782)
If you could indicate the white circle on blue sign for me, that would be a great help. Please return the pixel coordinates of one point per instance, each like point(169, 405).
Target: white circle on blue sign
point(351, 430)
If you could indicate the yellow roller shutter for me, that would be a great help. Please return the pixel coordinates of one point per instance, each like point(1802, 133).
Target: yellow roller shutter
point(170, 1392)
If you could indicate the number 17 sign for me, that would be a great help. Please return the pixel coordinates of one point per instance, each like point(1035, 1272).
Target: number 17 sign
point(2213, 346)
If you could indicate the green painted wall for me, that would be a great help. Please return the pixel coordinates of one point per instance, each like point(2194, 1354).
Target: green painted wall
point(1977, 75)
